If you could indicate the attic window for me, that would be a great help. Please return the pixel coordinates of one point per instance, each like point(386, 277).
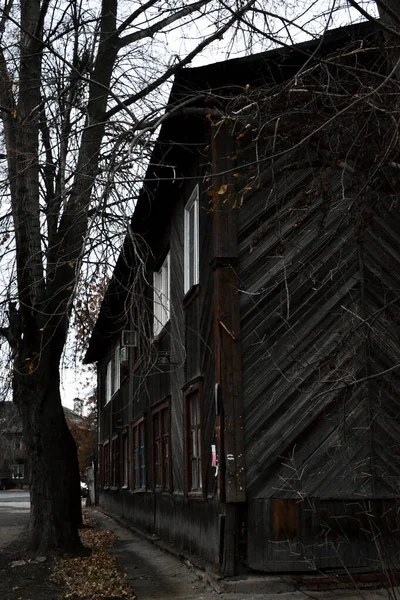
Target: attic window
point(161, 289)
point(191, 241)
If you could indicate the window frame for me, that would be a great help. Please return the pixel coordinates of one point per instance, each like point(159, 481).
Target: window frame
point(116, 368)
point(191, 268)
point(114, 461)
point(21, 471)
point(195, 387)
point(161, 295)
point(108, 379)
point(165, 463)
point(124, 475)
point(105, 469)
point(112, 373)
point(140, 425)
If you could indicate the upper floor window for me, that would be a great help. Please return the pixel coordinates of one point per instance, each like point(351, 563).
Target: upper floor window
point(161, 287)
point(191, 241)
point(113, 373)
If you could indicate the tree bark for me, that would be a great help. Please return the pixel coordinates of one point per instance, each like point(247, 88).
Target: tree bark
point(54, 472)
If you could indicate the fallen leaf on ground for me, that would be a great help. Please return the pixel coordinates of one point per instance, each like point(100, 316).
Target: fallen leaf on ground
point(94, 577)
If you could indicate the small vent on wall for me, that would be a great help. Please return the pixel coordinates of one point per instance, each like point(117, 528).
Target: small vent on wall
point(129, 338)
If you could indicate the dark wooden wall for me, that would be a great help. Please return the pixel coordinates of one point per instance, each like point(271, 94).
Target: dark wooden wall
point(319, 278)
point(191, 524)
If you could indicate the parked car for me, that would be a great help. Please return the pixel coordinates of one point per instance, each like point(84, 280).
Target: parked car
point(6, 483)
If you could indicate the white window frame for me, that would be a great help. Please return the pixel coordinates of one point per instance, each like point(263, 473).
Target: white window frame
point(161, 294)
point(116, 370)
point(191, 264)
point(113, 373)
point(108, 381)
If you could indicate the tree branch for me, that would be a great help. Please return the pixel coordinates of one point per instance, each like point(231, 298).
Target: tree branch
point(150, 31)
point(136, 13)
point(173, 69)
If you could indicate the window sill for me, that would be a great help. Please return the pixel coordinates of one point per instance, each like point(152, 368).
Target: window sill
point(163, 332)
point(162, 492)
point(191, 295)
point(197, 496)
point(113, 397)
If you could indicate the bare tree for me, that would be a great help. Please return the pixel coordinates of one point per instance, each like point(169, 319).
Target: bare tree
point(74, 83)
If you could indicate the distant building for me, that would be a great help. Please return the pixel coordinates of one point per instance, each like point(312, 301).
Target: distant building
point(13, 458)
point(78, 406)
point(14, 462)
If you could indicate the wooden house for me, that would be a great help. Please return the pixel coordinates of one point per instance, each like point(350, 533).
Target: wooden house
point(248, 347)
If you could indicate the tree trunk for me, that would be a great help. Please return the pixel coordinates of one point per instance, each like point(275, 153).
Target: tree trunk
point(54, 472)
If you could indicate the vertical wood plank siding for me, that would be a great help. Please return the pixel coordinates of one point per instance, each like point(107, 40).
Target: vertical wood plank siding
point(319, 311)
point(191, 524)
point(226, 317)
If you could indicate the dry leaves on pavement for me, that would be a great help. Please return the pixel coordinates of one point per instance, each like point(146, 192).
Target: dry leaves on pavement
point(95, 577)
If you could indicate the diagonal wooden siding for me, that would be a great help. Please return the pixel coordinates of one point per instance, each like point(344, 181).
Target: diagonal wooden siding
point(320, 319)
point(313, 319)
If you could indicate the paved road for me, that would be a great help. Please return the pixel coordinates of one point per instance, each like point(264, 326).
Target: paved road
point(14, 516)
point(14, 497)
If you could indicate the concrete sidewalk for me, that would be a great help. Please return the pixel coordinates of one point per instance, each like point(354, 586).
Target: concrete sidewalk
point(153, 574)
point(156, 574)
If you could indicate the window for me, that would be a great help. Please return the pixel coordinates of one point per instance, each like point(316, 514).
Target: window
point(191, 241)
point(161, 447)
point(125, 460)
point(138, 456)
point(18, 471)
point(115, 461)
point(116, 369)
point(18, 443)
point(194, 439)
point(161, 285)
point(108, 381)
point(113, 373)
point(106, 464)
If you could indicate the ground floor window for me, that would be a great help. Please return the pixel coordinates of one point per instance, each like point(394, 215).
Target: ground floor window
point(125, 459)
point(115, 461)
point(138, 455)
point(18, 471)
point(106, 464)
point(161, 446)
point(194, 438)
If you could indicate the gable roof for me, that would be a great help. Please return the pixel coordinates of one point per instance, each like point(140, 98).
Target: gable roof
point(272, 67)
